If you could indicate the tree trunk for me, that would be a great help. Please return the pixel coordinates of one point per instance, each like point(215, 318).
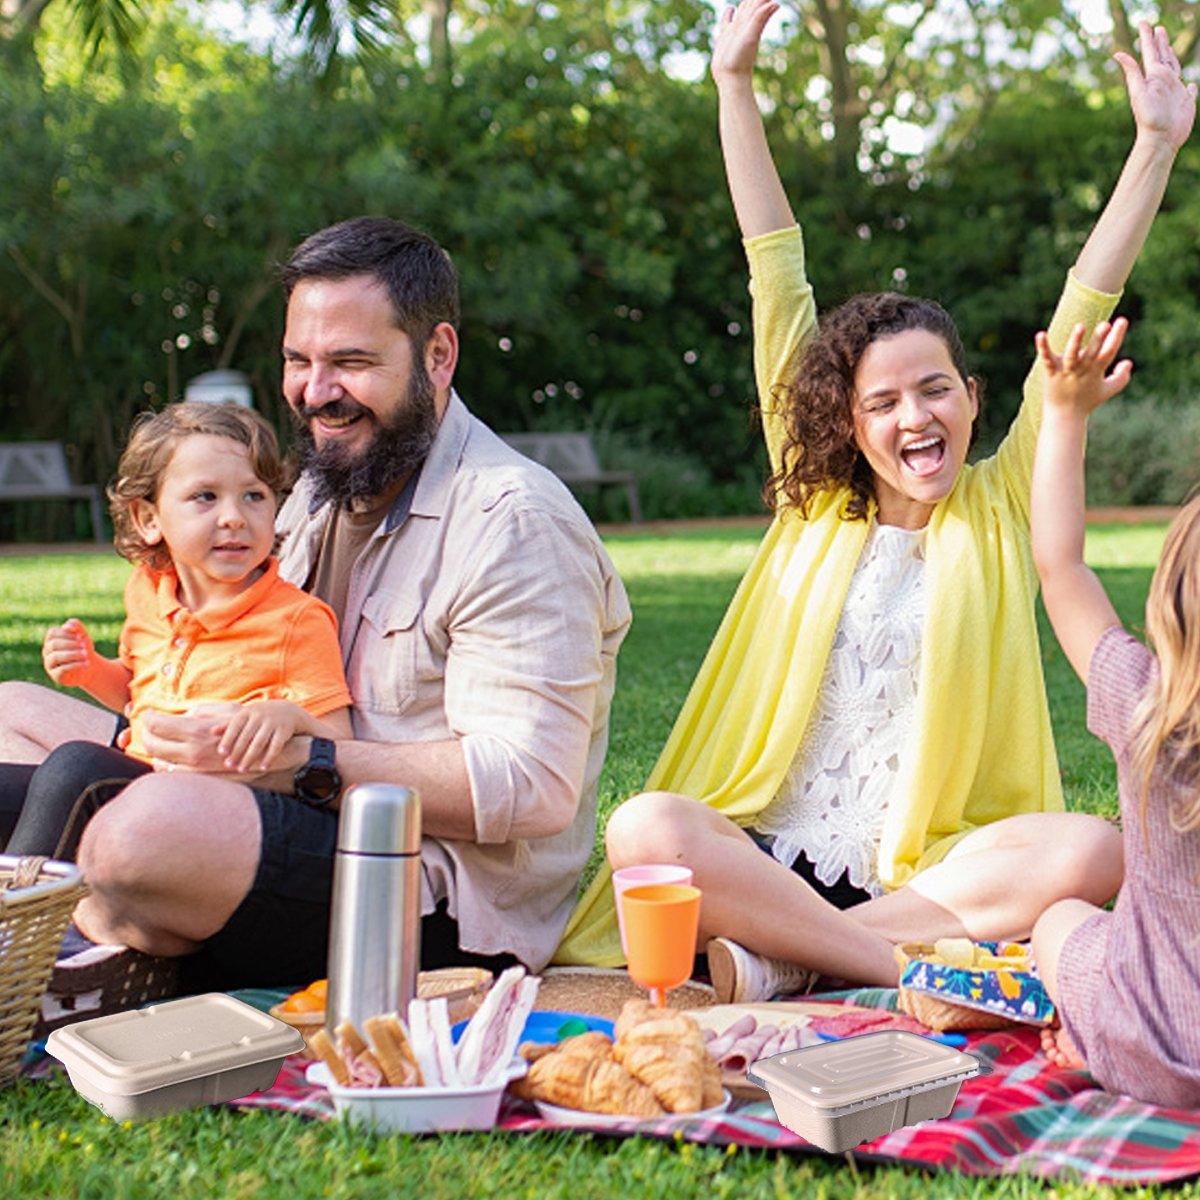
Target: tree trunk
point(848, 109)
point(438, 12)
point(1123, 36)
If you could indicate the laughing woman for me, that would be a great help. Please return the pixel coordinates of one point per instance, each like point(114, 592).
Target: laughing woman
point(866, 755)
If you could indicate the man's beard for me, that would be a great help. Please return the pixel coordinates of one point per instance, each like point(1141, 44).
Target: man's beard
point(399, 445)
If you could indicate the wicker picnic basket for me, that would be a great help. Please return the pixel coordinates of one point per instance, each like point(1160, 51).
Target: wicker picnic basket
point(934, 1012)
point(37, 897)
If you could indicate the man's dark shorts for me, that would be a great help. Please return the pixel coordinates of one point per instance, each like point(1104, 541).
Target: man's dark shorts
point(279, 934)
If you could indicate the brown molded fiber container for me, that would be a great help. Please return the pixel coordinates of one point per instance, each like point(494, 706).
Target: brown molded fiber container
point(167, 1057)
point(839, 1094)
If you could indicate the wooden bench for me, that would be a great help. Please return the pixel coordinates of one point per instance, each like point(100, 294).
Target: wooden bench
point(38, 471)
point(572, 457)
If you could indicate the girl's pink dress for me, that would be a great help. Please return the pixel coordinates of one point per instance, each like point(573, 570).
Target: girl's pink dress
point(1129, 980)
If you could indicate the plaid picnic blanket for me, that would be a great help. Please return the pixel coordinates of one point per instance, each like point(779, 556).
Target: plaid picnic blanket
point(1026, 1116)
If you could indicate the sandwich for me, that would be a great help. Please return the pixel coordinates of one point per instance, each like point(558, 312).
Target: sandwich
point(490, 1038)
point(429, 1026)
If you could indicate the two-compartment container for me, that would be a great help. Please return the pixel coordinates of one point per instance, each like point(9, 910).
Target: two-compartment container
point(149, 1061)
point(840, 1094)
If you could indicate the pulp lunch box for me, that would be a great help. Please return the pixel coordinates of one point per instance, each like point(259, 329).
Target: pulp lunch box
point(149, 1061)
point(839, 1094)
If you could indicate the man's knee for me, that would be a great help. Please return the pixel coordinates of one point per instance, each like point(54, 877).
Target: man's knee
point(651, 827)
point(132, 842)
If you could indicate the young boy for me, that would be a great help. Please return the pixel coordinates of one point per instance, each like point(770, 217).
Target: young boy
point(207, 619)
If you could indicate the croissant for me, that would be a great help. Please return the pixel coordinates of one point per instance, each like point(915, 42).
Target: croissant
point(673, 1072)
point(634, 1013)
point(593, 1084)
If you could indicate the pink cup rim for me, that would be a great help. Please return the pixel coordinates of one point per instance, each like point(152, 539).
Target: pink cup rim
point(629, 876)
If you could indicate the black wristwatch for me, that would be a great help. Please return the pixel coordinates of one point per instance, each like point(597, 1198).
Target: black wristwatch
point(317, 782)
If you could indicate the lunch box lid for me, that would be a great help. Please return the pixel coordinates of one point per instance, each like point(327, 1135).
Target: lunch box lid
point(136, 1051)
point(863, 1069)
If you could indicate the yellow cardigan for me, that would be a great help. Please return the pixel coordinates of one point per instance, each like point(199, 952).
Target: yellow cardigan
point(982, 747)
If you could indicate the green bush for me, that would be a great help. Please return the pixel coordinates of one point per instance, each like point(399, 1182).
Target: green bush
point(1143, 451)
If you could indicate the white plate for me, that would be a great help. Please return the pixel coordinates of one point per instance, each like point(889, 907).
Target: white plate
point(591, 1120)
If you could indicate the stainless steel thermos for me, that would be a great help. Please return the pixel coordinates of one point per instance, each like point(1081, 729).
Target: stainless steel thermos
point(375, 927)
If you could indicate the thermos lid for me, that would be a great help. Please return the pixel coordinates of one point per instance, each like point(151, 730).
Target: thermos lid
point(380, 818)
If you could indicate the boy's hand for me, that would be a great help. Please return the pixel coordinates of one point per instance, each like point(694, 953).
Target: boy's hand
point(1077, 381)
point(735, 46)
point(254, 736)
point(1163, 105)
point(68, 654)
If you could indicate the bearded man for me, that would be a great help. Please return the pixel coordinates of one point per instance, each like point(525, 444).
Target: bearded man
point(479, 619)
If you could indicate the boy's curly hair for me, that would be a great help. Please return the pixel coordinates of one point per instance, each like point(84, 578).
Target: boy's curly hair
point(817, 409)
point(153, 440)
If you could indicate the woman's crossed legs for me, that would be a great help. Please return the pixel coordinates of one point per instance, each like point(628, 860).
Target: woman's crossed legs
point(994, 884)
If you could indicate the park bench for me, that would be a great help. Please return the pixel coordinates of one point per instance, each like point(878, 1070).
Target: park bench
point(572, 457)
point(38, 471)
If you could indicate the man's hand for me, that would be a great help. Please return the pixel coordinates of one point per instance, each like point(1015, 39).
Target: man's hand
point(1078, 382)
point(68, 654)
point(735, 47)
point(1164, 107)
point(188, 742)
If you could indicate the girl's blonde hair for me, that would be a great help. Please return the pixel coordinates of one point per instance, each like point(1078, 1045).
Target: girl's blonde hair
point(1166, 722)
point(152, 442)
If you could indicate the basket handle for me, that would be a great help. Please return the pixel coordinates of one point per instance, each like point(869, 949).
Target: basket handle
point(25, 873)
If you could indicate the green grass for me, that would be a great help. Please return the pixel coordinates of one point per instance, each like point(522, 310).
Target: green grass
point(53, 1144)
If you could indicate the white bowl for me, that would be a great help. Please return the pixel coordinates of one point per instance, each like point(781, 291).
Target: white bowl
point(417, 1109)
point(592, 1120)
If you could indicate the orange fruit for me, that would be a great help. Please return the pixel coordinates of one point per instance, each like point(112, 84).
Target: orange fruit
point(302, 1002)
point(318, 989)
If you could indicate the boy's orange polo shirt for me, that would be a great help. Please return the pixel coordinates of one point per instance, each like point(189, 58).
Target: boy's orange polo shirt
point(270, 642)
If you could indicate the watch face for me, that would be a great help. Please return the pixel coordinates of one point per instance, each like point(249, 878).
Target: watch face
point(319, 782)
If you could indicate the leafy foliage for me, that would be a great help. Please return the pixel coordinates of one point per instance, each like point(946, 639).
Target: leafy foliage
point(578, 185)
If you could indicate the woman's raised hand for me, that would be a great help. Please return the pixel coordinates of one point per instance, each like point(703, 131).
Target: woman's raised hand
point(739, 30)
point(1163, 105)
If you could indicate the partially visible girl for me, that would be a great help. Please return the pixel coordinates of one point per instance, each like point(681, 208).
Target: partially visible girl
point(1126, 984)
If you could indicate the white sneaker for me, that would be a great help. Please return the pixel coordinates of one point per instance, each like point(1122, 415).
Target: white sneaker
point(741, 977)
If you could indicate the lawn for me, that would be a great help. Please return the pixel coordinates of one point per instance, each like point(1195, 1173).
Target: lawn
point(54, 1144)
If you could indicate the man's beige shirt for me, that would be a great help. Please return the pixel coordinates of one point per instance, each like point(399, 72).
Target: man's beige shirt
point(490, 613)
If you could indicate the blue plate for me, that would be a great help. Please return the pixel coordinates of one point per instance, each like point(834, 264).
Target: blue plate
point(547, 1026)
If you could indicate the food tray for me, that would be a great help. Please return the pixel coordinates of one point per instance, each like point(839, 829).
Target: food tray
point(149, 1061)
point(945, 997)
point(840, 1094)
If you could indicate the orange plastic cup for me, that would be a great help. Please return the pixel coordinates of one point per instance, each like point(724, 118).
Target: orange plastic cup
point(661, 922)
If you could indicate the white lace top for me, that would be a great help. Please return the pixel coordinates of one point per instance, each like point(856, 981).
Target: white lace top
point(832, 800)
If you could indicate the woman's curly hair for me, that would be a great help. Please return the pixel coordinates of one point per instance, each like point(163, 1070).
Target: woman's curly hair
point(152, 443)
point(817, 409)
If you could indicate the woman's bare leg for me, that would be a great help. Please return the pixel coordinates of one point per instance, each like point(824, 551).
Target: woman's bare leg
point(748, 896)
point(997, 881)
point(766, 907)
point(35, 720)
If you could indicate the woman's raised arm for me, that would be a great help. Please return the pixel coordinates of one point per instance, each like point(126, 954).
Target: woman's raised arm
point(1164, 108)
point(758, 196)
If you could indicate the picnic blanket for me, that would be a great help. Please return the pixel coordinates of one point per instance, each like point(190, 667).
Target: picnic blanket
point(1026, 1116)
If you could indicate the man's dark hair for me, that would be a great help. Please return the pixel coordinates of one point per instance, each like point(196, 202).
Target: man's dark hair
point(419, 277)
